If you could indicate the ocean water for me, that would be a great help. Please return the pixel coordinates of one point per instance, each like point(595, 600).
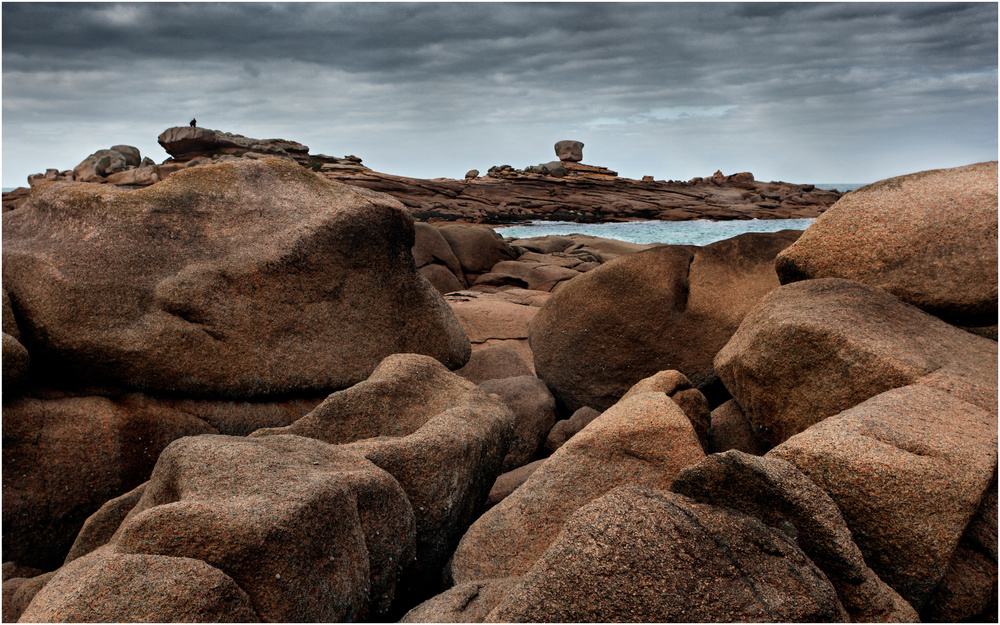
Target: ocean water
point(695, 232)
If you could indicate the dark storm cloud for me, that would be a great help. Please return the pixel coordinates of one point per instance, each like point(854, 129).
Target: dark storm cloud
point(642, 74)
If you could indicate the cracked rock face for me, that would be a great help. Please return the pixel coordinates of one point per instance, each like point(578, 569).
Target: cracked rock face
point(238, 280)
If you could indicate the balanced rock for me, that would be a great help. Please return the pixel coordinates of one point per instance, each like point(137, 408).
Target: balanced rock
point(237, 280)
point(928, 238)
point(814, 348)
point(645, 439)
point(670, 307)
point(645, 556)
point(569, 150)
point(908, 469)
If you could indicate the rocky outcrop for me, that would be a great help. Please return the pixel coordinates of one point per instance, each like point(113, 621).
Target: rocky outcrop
point(591, 194)
point(908, 469)
point(814, 348)
point(928, 238)
point(782, 497)
point(642, 555)
point(670, 307)
point(534, 411)
point(63, 458)
point(645, 439)
point(438, 434)
point(308, 531)
point(187, 143)
point(241, 280)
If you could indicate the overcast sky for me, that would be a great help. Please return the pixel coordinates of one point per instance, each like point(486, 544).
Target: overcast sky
point(809, 92)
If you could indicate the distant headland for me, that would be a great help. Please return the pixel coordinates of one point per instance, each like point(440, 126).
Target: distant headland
point(565, 189)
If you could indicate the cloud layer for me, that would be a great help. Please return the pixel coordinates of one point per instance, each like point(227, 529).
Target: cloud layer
point(802, 92)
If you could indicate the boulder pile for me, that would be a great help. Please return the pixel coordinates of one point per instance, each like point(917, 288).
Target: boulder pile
point(248, 393)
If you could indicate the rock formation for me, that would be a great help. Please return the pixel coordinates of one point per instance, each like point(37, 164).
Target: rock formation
point(210, 414)
point(209, 285)
point(928, 238)
point(570, 151)
point(672, 307)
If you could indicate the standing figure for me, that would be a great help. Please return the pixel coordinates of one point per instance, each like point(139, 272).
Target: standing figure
point(193, 122)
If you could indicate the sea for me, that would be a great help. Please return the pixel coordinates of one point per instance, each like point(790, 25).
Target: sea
point(695, 232)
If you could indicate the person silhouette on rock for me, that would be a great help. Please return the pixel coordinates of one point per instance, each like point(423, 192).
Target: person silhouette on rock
point(194, 122)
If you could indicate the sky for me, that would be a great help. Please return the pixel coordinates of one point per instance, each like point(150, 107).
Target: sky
point(799, 92)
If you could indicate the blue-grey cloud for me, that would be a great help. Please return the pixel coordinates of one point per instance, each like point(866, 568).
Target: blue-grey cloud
point(806, 92)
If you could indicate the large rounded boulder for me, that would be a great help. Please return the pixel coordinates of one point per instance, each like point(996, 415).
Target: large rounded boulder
point(929, 238)
point(437, 433)
point(242, 279)
point(671, 307)
point(645, 439)
point(814, 348)
point(639, 555)
point(297, 530)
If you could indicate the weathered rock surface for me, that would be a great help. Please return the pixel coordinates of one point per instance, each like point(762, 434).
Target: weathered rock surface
point(498, 319)
point(477, 248)
point(907, 469)
point(968, 590)
point(309, 531)
point(100, 165)
point(438, 434)
point(100, 527)
point(929, 238)
point(592, 194)
point(15, 364)
point(124, 588)
point(18, 593)
point(433, 254)
point(470, 602)
point(730, 429)
point(564, 430)
point(510, 481)
point(814, 348)
point(641, 555)
point(775, 492)
point(494, 363)
point(534, 411)
point(671, 307)
point(63, 458)
point(645, 439)
point(238, 280)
